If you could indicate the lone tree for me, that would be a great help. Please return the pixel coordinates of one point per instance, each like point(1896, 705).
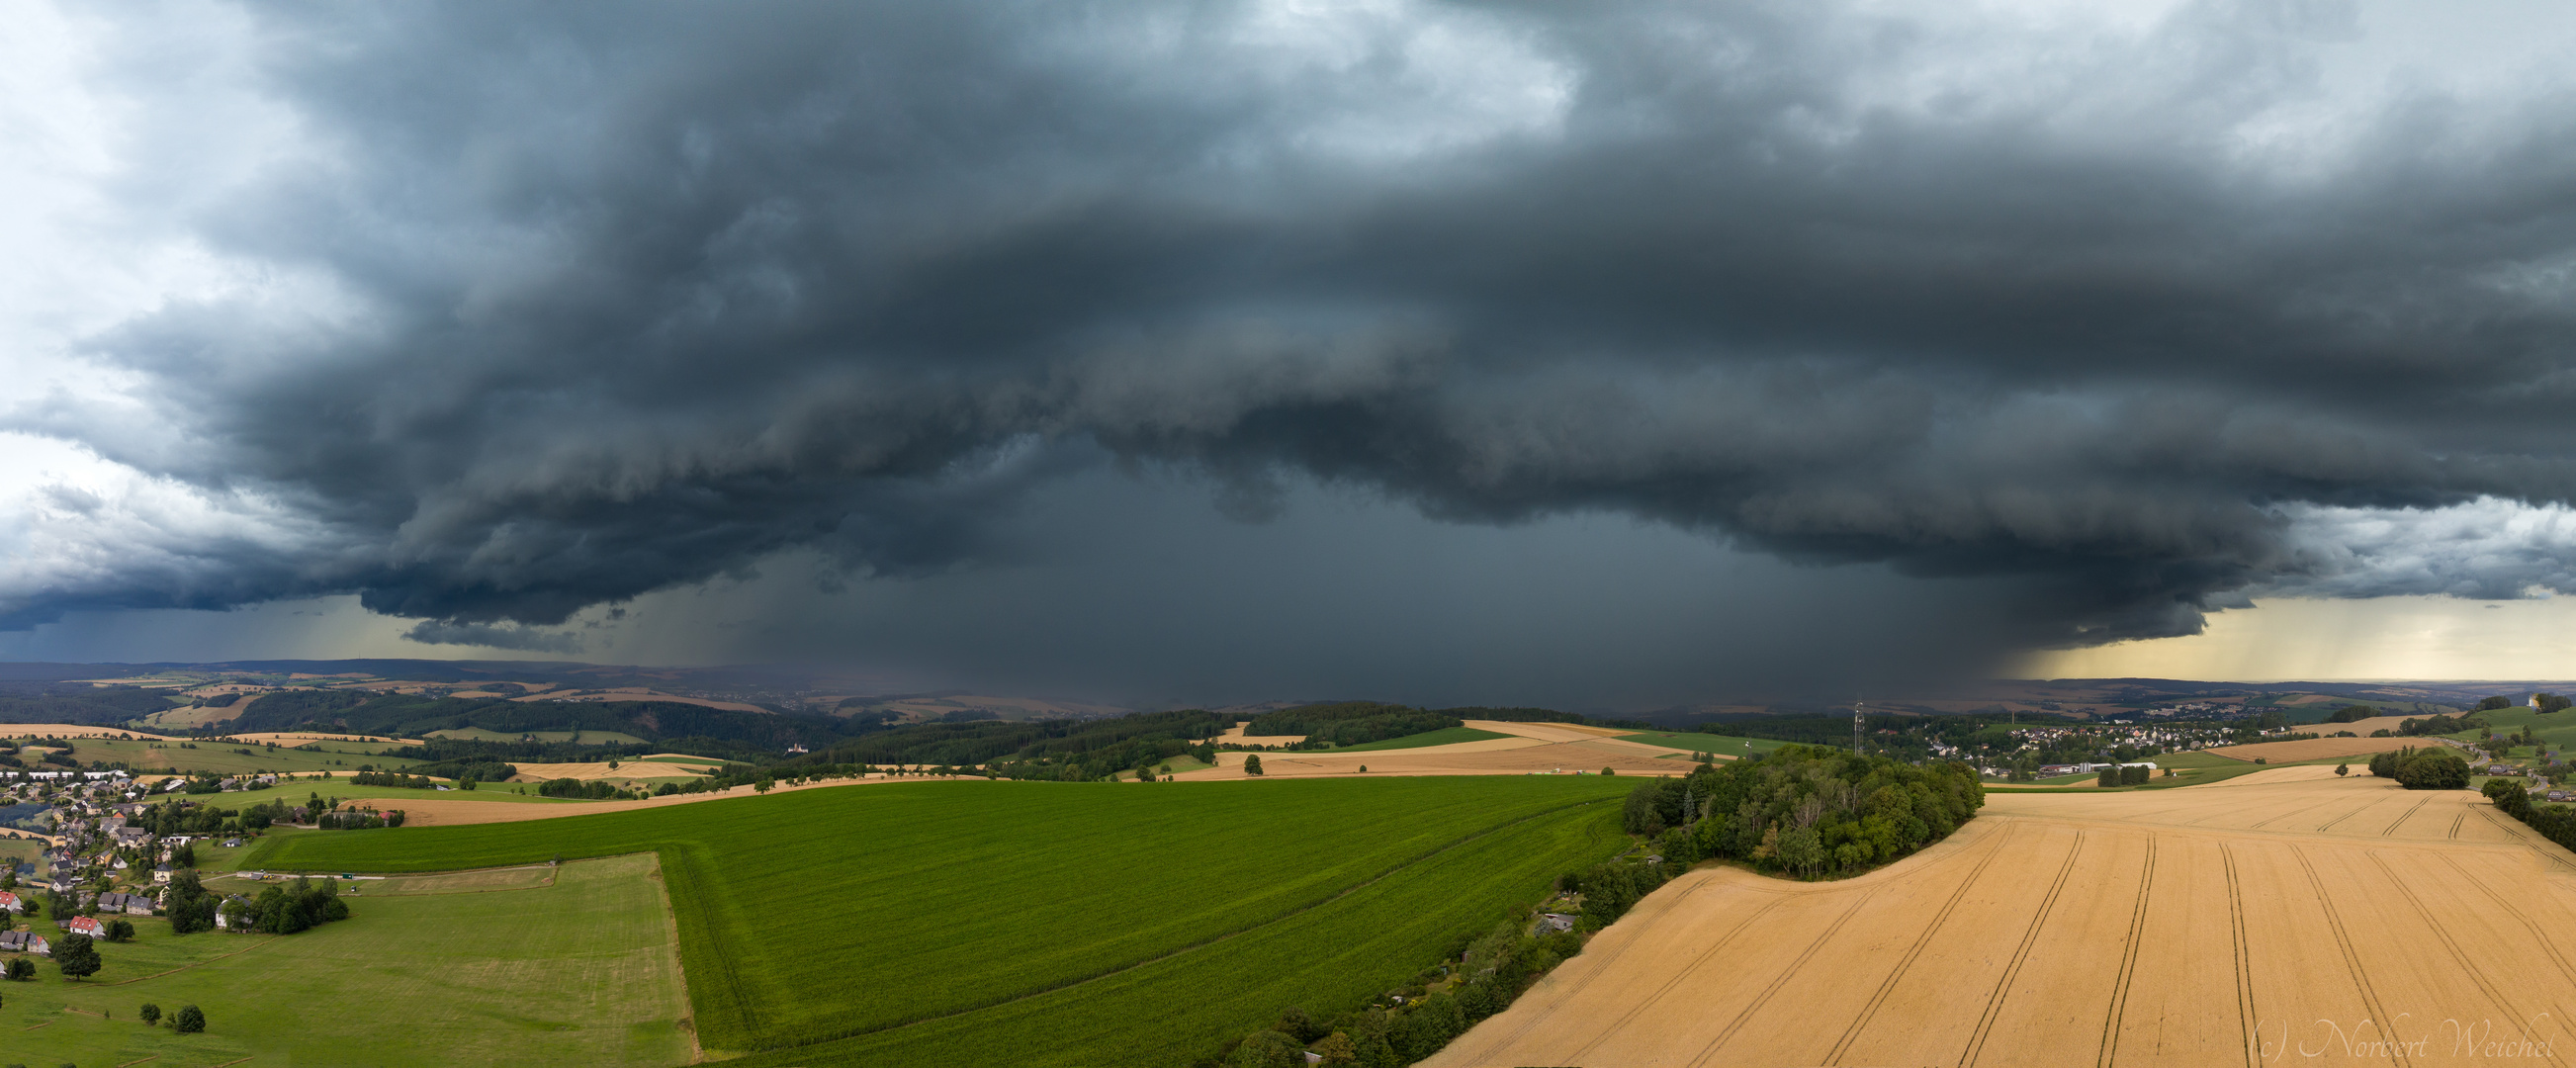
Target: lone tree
point(1252, 763)
point(76, 957)
point(151, 1013)
point(189, 1021)
point(2343, 769)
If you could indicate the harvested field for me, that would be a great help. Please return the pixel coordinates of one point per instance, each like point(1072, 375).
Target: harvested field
point(1530, 748)
point(2283, 912)
point(2362, 727)
point(2316, 748)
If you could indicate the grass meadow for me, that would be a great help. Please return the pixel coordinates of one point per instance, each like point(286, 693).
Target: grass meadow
point(580, 972)
point(974, 923)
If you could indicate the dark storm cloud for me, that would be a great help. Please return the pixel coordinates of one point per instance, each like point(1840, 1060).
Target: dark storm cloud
point(617, 297)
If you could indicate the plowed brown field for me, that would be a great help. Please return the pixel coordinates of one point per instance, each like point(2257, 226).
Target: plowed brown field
point(2286, 917)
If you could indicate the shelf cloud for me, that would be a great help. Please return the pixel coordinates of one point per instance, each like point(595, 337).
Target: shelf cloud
point(493, 313)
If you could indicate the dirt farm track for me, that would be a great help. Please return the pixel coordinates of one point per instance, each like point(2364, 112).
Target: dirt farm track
point(2286, 917)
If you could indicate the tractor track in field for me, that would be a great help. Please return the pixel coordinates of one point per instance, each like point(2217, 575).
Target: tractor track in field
point(2021, 955)
point(2404, 816)
point(2451, 944)
point(2128, 960)
point(2343, 941)
point(2243, 951)
point(1888, 985)
point(1755, 1005)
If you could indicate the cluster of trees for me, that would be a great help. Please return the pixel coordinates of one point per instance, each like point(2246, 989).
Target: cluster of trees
point(1073, 750)
point(188, 1020)
point(2122, 776)
point(2414, 728)
point(303, 905)
point(192, 907)
point(1806, 810)
point(367, 777)
point(2554, 822)
point(2353, 713)
point(358, 819)
point(2436, 768)
point(1492, 972)
point(1348, 723)
point(591, 789)
point(76, 702)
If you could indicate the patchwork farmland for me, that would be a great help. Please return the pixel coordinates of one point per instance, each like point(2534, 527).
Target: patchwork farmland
point(2286, 917)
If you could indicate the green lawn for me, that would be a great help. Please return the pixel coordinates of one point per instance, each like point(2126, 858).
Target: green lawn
point(1445, 736)
point(1720, 744)
point(578, 973)
point(988, 904)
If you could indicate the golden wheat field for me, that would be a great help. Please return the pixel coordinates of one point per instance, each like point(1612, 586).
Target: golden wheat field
point(2286, 917)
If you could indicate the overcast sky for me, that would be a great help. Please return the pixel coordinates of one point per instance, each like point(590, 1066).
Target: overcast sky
point(1573, 353)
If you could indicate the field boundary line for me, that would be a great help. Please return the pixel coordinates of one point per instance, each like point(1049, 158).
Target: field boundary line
point(1722, 942)
point(1887, 986)
point(2456, 821)
point(2406, 815)
point(2021, 953)
point(2458, 956)
point(2111, 1020)
point(131, 1064)
point(1782, 980)
point(1194, 947)
point(2351, 958)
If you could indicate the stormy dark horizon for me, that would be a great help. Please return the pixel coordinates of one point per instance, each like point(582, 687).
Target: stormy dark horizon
point(1263, 347)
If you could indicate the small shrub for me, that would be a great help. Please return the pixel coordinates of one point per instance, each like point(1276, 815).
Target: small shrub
point(190, 1020)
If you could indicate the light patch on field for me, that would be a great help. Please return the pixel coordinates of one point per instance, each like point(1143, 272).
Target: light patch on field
point(2230, 924)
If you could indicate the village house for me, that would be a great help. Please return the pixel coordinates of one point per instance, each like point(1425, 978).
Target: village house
point(9, 903)
point(25, 942)
point(234, 914)
point(86, 925)
point(129, 904)
point(162, 874)
point(130, 836)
